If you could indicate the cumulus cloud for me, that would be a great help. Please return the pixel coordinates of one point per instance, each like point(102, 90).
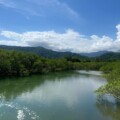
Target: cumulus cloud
point(118, 33)
point(70, 40)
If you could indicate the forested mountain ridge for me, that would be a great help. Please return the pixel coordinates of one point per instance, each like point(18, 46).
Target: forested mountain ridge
point(111, 56)
point(50, 53)
point(95, 54)
point(47, 53)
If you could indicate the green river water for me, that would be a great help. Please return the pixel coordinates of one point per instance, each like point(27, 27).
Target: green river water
point(56, 96)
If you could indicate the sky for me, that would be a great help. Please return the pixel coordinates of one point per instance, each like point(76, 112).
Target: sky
point(61, 25)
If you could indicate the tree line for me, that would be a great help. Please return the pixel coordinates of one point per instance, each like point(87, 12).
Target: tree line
point(14, 63)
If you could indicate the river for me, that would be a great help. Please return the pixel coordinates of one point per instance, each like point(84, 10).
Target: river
point(56, 96)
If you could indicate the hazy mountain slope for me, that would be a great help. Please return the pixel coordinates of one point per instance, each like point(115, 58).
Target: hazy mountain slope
point(102, 55)
point(94, 54)
point(110, 56)
point(41, 51)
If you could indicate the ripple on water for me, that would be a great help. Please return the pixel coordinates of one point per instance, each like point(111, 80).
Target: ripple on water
point(22, 112)
point(20, 115)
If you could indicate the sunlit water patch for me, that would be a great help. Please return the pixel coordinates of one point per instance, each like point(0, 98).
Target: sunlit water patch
point(16, 111)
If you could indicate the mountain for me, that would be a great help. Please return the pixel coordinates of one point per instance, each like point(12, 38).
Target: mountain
point(41, 51)
point(47, 53)
point(111, 56)
point(94, 54)
point(50, 53)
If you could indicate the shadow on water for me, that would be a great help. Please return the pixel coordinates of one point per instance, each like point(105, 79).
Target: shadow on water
point(10, 88)
point(109, 107)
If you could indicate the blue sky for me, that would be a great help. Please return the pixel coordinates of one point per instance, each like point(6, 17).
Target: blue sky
point(71, 25)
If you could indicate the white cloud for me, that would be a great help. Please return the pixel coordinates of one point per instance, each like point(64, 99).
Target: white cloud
point(11, 35)
point(118, 33)
point(68, 41)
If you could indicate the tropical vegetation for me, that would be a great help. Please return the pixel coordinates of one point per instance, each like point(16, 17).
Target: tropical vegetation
point(18, 63)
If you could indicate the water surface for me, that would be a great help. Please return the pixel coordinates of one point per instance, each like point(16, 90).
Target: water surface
point(56, 96)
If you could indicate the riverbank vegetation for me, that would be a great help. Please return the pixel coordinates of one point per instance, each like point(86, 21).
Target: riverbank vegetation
point(15, 63)
point(112, 73)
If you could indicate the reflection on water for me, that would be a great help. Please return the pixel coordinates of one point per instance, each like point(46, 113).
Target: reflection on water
point(11, 88)
point(57, 96)
point(90, 72)
point(110, 109)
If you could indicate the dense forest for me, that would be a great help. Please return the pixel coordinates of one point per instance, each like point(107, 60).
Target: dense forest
point(17, 63)
point(14, 63)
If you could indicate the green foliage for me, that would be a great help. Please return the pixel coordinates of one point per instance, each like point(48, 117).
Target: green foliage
point(109, 57)
point(112, 88)
point(113, 76)
point(13, 63)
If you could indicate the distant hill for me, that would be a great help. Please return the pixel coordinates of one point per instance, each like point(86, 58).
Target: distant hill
point(111, 56)
point(47, 53)
point(94, 54)
point(41, 51)
point(50, 53)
